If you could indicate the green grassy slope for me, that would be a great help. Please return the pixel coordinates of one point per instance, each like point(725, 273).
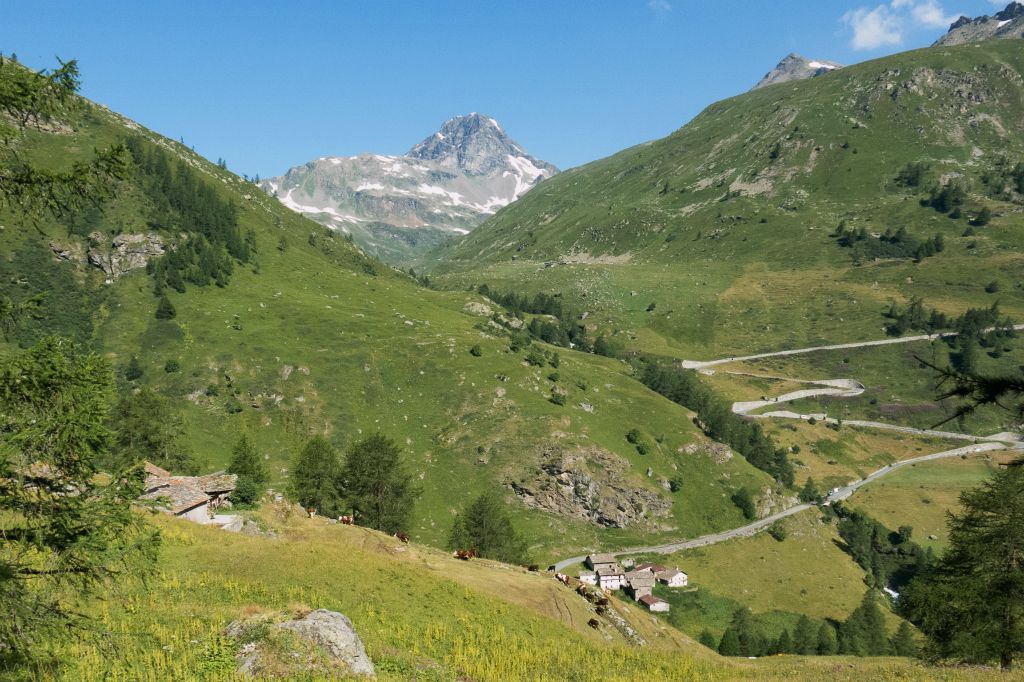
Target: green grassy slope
point(726, 223)
point(318, 339)
point(421, 614)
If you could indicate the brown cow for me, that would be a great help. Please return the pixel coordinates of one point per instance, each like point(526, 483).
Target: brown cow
point(310, 512)
point(346, 520)
point(593, 622)
point(403, 537)
point(465, 554)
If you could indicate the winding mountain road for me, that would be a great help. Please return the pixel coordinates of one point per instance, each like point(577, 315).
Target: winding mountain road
point(760, 524)
point(847, 388)
point(700, 364)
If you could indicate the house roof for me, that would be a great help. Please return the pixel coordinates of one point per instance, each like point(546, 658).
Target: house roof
point(613, 569)
point(602, 559)
point(181, 494)
point(219, 482)
point(640, 578)
point(650, 600)
point(588, 574)
point(654, 568)
point(154, 470)
point(669, 574)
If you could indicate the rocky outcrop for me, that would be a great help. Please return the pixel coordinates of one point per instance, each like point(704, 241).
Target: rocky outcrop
point(793, 67)
point(1009, 23)
point(117, 256)
point(594, 485)
point(446, 185)
point(330, 633)
point(126, 252)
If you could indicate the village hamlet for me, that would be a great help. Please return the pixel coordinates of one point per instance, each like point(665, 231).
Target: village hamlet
point(639, 582)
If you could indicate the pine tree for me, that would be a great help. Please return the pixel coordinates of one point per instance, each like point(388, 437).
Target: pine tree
point(742, 499)
point(810, 492)
point(970, 605)
point(165, 309)
point(487, 527)
point(252, 473)
point(903, 643)
point(145, 427)
point(805, 637)
point(56, 548)
point(315, 476)
point(377, 485)
point(784, 644)
point(827, 645)
point(133, 372)
point(708, 640)
point(730, 644)
point(863, 633)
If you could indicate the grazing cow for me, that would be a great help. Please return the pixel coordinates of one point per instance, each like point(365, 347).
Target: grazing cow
point(593, 622)
point(582, 589)
point(533, 567)
point(347, 520)
point(465, 554)
point(403, 537)
point(310, 512)
point(603, 601)
point(562, 578)
point(601, 610)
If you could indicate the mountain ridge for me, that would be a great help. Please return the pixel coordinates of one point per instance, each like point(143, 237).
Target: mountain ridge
point(1005, 24)
point(395, 206)
point(796, 67)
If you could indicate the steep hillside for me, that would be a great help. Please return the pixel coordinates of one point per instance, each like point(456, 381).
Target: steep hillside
point(725, 236)
point(396, 207)
point(276, 327)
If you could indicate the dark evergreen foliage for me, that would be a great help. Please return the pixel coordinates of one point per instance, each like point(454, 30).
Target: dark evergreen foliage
point(374, 481)
point(316, 477)
point(718, 420)
point(892, 559)
point(486, 526)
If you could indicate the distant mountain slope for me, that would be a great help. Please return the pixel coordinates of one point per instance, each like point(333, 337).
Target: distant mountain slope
point(396, 206)
point(1008, 23)
point(277, 327)
point(793, 67)
point(728, 225)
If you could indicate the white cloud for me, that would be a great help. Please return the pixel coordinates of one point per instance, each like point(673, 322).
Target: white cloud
point(930, 14)
point(659, 5)
point(874, 28)
point(886, 24)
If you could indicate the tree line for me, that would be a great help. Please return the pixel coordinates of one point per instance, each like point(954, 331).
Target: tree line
point(717, 419)
point(181, 201)
point(863, 633)
point(898, 244)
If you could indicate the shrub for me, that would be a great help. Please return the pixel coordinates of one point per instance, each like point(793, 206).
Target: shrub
point(633, 436)
point(558, 398)
point(476, 351)
point(172, 366)
point(777, 531)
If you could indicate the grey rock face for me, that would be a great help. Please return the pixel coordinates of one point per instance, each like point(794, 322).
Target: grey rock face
point(1009, 23)
point(336, 634)
point(589, 484)
point(447, 184)
point(793, 67)
point(126, 252)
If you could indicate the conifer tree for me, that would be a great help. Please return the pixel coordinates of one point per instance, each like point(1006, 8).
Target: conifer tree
point(165, 309)
point(376, 484)
point(827, 645)
point(903, 643)
point(315, 477)
point(730, 644)
point(708, 640)
point(805, 637)
point(251, 471)
point(487, 527)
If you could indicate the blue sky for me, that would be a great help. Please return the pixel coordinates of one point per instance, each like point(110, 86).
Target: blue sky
point(270, 85)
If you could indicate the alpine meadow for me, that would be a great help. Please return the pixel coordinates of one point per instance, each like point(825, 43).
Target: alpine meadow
point(741, 402)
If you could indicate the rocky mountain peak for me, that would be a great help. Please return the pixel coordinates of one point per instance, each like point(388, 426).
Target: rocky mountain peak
point(1008, 23)
point(796, 67)
point(475, 144)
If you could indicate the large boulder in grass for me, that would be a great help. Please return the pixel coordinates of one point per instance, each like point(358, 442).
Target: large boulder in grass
point(336, 634)
point(322, 641)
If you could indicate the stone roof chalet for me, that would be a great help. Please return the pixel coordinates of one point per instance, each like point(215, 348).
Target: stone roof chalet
point(596, 560)
point(640, 579)
point(652, 602)
point(653, 568)
point(183, 493)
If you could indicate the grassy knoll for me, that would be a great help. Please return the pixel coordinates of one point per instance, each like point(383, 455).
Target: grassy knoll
point(921, 495)
point(421, 614)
